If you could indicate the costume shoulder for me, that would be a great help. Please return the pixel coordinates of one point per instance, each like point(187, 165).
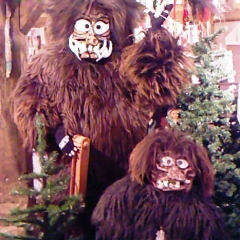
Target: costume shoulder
point(111, 215)
point(51, 61)
point(158, 65)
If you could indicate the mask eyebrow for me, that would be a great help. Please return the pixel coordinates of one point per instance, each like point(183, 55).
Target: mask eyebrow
point(103, 19)
point(167, 153)
point(98, 17)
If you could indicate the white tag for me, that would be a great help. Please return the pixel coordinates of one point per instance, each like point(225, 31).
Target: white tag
point(160, 235)
point(64, 142)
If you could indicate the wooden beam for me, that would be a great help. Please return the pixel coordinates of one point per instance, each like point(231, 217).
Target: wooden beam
point(30, 11)
point(2, 36)
point(233, 15)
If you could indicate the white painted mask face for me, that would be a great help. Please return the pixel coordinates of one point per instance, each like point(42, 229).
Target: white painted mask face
point(91, 37)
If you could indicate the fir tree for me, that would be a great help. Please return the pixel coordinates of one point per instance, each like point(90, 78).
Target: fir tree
point(46, 219)
point(205, 114)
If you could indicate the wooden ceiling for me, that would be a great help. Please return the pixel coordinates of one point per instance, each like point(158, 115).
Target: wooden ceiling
point(31, 15)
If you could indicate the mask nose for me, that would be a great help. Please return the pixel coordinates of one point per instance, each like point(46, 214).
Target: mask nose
point(91, 39)
point(176, 174)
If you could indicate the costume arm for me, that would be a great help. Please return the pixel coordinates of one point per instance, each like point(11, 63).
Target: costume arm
point(215, 227)
point(32, 95)
point(112, 215)
point(157, 67)
point(195, 218)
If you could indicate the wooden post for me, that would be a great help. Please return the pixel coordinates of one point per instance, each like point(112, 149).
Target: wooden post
point(12, 160)
point(79, 168)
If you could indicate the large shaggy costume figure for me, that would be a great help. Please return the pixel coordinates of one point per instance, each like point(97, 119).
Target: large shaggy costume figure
point(166, 196)
point(92, 79)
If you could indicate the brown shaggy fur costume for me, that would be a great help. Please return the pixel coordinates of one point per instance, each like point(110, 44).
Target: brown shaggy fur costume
point(108, 101)
point(132, 208)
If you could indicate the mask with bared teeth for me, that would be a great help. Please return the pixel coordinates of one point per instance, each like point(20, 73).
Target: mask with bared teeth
point(172, 173)
point(91, 36)
point(171, 161)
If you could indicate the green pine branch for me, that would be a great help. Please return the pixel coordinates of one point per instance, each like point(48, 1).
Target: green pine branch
point(48, 218)
point(205, 115)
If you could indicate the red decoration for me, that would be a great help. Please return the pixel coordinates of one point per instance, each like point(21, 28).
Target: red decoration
point(205, 15)
point(185, 13)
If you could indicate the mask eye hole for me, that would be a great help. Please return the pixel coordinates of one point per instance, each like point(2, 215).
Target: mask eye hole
point(166, 162)
point(82, 25)
point(100, 27)
point(182, 163)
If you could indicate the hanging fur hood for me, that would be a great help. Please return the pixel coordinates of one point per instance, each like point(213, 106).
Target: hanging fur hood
point(124, 15)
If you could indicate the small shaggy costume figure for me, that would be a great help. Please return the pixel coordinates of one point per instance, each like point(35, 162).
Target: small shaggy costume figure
point(93, 79)
point(166, 196)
